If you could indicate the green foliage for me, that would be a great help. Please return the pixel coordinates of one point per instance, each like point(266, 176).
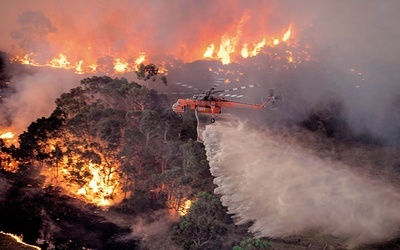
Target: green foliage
point(129, 131)
point(147, 72)
point(252, 244)
point(195, 167)
point(126, 130)
point(204, 226)
point(31, 142)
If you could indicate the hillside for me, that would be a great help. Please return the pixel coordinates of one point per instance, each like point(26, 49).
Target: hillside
point(114, 168)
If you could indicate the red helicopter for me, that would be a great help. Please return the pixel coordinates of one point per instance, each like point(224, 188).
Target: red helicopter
point(210, 103)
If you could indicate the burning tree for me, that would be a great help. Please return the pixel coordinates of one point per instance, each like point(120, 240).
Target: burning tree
point(110, 140)
point(90, 147)
point(204, 225)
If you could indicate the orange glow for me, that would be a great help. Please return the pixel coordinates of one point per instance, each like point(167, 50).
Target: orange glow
point(184, 208)
point(19, 239)
point(209, 52)
point(286, 36)
point(8, 163)
point(96, 183)
point(7, 135)
point(290, 57)
point(256, 50)
point(59, 62)
point(79, 67)
point(245, 51)
point(230, 42)
point(140, 59)
point(258, 47)
point(226, 47)
point(79, 49)
point(120, 65)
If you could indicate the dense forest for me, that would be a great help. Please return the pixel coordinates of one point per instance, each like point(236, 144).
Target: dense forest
point(113, 167)
point(114, 146)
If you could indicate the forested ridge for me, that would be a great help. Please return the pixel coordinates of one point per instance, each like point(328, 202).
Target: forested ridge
point(113, 167)
point(115, 145)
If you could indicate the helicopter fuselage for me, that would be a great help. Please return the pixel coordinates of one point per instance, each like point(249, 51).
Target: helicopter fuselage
point(201, 106)
point(211, 104)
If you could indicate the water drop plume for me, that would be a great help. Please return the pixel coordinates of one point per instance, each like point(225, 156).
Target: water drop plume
point(285, 188)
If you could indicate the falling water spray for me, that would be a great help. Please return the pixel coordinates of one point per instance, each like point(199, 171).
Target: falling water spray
point(271, 179)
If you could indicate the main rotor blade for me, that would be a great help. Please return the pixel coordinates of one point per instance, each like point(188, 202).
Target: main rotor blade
point(235, 89)
point(175, 93)
point(218, 81)
point(188, 86)
point(230, 95)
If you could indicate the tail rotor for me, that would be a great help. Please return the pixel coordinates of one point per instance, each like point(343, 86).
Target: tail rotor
point(275, 100)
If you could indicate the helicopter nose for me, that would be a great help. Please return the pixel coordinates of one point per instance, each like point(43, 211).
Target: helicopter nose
point(175, 107)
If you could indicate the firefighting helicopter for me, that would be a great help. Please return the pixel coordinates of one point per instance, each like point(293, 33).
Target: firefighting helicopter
point(212, 102)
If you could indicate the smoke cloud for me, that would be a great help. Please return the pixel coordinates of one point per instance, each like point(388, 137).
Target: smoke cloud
point(285, 187)
point(34, 96)
point(33, 31)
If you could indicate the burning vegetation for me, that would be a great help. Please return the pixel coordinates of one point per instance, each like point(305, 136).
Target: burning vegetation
point(112, 146)
point(43, 40)
point(107, 140)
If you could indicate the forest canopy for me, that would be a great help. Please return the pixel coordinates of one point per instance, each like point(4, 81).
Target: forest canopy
point(110, 140)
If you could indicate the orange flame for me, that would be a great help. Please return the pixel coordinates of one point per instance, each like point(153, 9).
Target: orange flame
point(19, 239)
point(99, 183)
point(61, 61)
point(120, 65)
point(7, 135)
point(184, 208)
point(7, 162)
point(286, 36)
point(209, 52)
point(227, 41)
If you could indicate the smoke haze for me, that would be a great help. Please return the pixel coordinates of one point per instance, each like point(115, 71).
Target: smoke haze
point(286, 188)
point(264, 176)
point(34, 97)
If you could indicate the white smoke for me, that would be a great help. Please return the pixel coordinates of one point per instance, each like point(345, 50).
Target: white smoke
point(34, 96)
point(285, 188)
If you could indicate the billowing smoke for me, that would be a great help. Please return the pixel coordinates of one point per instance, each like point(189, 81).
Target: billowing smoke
point(34, 97)
point(33, 31)
point(281, 182)
point(359, 54)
